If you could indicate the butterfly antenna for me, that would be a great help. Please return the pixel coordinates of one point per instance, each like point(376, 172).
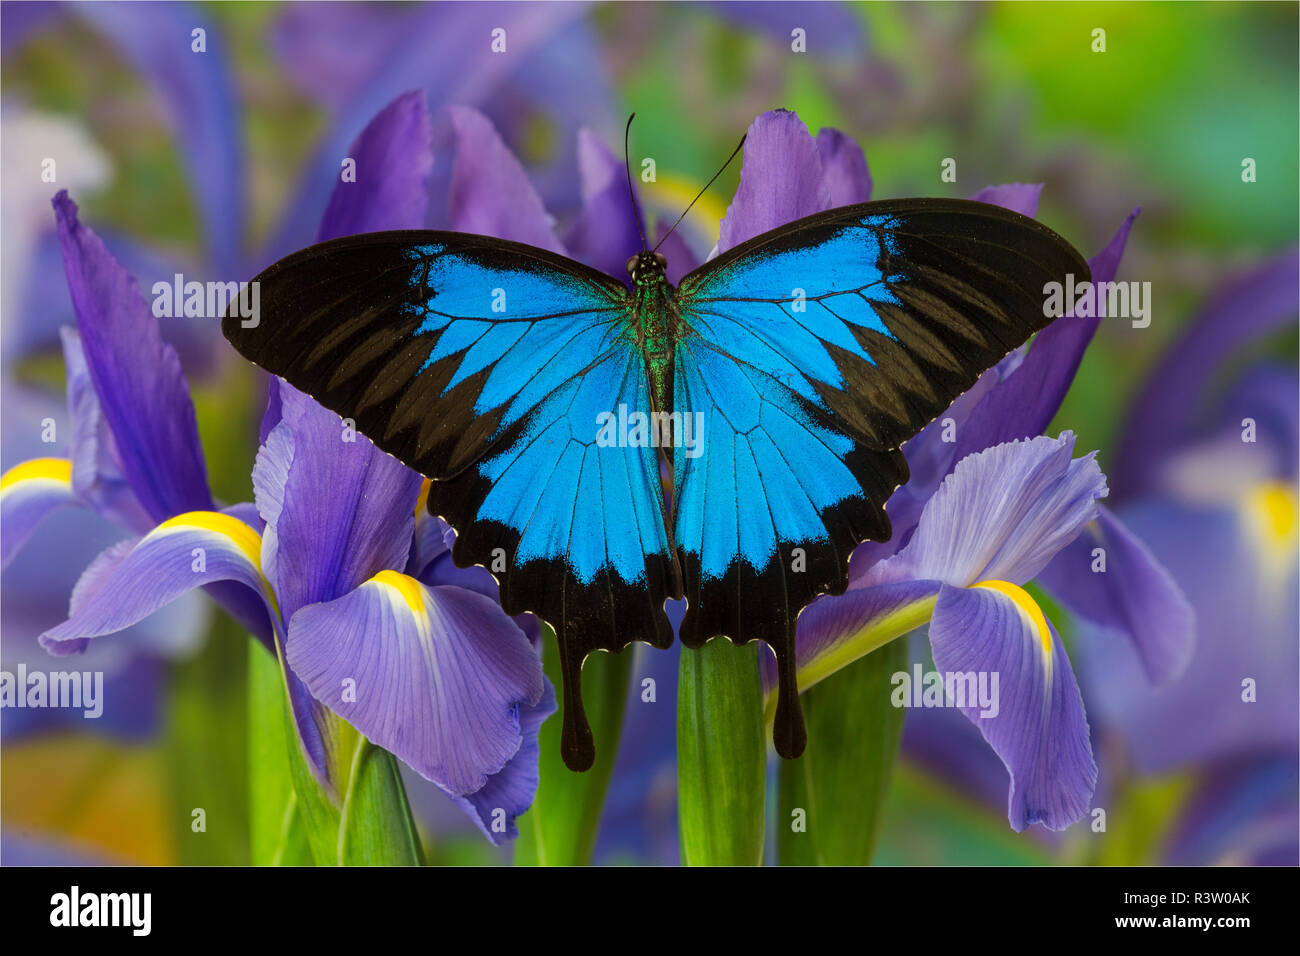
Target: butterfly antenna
point(733, 155)
point(631, 195)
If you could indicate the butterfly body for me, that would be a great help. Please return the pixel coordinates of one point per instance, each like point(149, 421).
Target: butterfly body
point(796, 363)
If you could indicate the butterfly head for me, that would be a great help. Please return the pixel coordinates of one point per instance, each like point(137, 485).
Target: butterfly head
point(647, 267)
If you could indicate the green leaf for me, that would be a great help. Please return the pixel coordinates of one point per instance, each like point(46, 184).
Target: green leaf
point(377, 828)
point(277, 831)
point(561, 826)
point(831, 798)
point(367, 822)
point(721, 756)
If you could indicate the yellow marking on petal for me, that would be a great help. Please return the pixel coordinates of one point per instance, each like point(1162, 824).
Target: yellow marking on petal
point(843, 651)
point(422, 501)
point(1274, 512)
point(1022, 599)
point(38, 469)
point(407, 587)
point(245, 538)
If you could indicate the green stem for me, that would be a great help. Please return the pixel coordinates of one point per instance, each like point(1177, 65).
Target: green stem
point(721, 756)
point(832, 797)
point(561, 826)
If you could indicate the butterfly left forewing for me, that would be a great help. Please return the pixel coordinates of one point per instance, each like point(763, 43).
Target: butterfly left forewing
point(485, 366)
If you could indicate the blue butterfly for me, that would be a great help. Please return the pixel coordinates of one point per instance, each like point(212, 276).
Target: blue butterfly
point(602, 448)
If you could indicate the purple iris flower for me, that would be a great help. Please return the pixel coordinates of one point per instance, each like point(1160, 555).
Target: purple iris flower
point(336, 555)
point(1209, 475)
point(987, 507)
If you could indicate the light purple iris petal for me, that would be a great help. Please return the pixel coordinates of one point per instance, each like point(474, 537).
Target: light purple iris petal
point(1246, 606)
point(781, 179)
point(1018, 197)
point(512, 788)
point(119, 589)
point(440, 685)
point(827, 623)
point(97, 477)
point(1165, 411)
point(1131, 593)
point(393, 155)
point(348, 509)
point(1002, 513)
point(432, 565)
point(197, 95)
point(23, 507)
point(1039, 728)
point(142, 390)
point(490, 192)
point(1023, 405)
point(605, 234)
point(844, 166)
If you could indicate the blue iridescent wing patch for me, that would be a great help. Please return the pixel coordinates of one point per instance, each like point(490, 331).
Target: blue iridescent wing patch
point(813, 352)
point(487, 366)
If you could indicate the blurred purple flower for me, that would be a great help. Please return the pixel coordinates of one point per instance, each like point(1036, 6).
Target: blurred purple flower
point(1215, 500)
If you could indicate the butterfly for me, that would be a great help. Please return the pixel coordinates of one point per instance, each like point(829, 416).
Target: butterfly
point(604, 446)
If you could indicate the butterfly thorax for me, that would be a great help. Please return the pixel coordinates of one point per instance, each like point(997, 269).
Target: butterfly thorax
point(658, 325)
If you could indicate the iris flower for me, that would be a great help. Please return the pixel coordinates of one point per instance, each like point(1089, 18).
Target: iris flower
point(1210, 487)
point(335, 548)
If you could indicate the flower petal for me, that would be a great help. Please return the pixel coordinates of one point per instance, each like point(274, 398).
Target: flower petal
point(844, 166)
point(1131, 593)
point(1018, 197)
point(834, 631)
point(1002, 513)
point(97, 476)
point(490, 192)
point(781, 180)
point(1238, 693)
point(604, 235)
point(436, 675)
point(197, 95)
point(348, 509)
point(1025, 401)
point(394, 156)
point(439, 48)
point(1036, 721)
point(187, 551)
point(28, 492)
point(1165, 411)
point(142, 390)
point(512, 788)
